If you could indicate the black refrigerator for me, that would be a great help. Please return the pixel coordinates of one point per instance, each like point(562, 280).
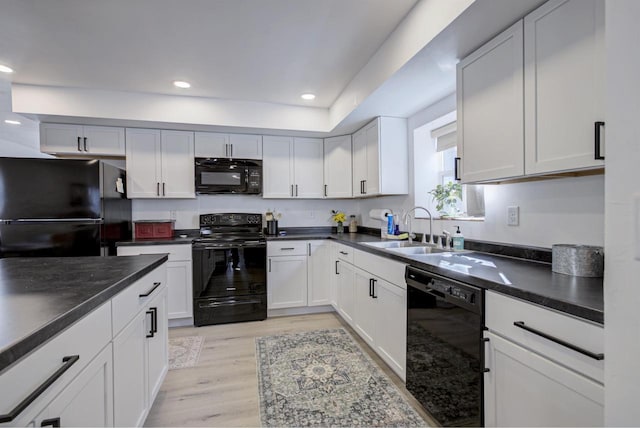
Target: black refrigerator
point(62, 208)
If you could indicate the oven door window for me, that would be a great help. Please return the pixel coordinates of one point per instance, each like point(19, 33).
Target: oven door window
point(231, 272)
point(443, 358)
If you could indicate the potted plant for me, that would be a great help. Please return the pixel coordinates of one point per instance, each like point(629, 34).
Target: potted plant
point(446, 197)
point(339, 218)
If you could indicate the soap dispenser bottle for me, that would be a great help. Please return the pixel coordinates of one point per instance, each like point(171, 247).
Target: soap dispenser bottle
point(458, 240)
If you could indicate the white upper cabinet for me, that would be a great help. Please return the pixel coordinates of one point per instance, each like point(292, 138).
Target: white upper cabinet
point(490, 102)
point(160, 164)
point(292, 167)
point(82, 140)
point(530, 101)
point(563, 82)
point(380, 159)
point(217, 145)
point(337, 167)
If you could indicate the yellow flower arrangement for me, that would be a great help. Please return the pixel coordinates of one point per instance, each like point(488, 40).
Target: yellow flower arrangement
point(338, 216)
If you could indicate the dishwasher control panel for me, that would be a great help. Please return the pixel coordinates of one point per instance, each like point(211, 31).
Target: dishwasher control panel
point(444, 288)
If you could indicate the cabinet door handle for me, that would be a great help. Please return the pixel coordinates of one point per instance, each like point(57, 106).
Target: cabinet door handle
point(53, 422)
point(151, 332)
point(309, 247)
point(337, 261)
point(325, 190)
point(85, 144)
point(154, 319)
point(522, 325)
point(456, 169)
point(370, 287)
point(598, 129)
point(292, 190)
point(231, 150)
point(148, 293)
point(296, 190)
point(373, 288)
point(158, 188)
point(79, 147)
point(269, 265)
point(163, 189)
point(68, 362)
point(364, 186)
point(482, 357)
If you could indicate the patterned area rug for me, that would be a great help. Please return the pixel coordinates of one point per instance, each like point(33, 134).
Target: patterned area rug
point(323, 378)
point(184, 351)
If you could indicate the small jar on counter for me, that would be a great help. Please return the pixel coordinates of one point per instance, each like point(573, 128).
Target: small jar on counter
point(353, 224)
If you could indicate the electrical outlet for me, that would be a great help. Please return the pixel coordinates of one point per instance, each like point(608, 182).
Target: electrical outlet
point(312, 214)
point(513, 216)
point(172, 214)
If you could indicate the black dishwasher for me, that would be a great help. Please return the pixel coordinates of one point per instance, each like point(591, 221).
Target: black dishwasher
point(444, 347)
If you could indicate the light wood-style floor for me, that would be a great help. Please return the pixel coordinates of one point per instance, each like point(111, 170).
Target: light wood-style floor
point(222, 389)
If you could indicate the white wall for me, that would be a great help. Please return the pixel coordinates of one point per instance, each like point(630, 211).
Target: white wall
point(295, 213)
point(622, 270)
point(567, 210)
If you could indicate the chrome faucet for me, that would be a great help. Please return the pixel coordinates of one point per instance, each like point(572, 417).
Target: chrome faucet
point(407, 221)
point(447, 240)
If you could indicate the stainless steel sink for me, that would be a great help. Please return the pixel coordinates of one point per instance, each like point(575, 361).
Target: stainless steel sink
point(390, 244)
point(422, 249)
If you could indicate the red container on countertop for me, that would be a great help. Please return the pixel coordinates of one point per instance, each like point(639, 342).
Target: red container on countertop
point(153, 229)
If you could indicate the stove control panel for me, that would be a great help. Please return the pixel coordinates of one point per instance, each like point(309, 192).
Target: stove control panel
point(231, 219)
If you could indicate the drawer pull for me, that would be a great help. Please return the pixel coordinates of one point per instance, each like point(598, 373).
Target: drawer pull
point(344, 253)
point(287, 249)
point(521, 324)
point(53, 422)
point(68, 362)
point(150, 292)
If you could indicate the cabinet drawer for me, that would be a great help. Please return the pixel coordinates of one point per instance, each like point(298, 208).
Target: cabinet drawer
point(128, 302)
point(85, 339)
point(177, 252)
point(503, 311)
point(383, 267)
point(345, 253)
point(287, 248)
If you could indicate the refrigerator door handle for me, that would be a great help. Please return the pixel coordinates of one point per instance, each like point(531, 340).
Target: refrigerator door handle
point(50, 220)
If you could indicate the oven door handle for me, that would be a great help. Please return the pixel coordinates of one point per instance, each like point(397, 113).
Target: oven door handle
point(231, 247)
point(229, 303)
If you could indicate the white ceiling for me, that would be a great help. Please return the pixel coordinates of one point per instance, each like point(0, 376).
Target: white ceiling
point(252, 50)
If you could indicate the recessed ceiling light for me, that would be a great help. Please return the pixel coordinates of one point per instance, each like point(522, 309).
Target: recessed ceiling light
point(12, 122)
point(181, 84)
point(308, 97)
point(5, 69)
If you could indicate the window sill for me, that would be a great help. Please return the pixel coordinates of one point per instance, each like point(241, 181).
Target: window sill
point(461, 218)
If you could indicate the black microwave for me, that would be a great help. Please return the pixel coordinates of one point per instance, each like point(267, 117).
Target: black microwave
point(216, 175)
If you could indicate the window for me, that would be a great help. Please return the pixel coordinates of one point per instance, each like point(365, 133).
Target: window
point(472, 203)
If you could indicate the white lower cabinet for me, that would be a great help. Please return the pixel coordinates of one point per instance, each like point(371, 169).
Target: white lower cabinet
point(346, 292)
point(318, 275)
point(88, 401)
point(535, 380)
point(140, 360)
point(287, 282)
point(297, 274)
point(179, 275)
point(375, 307)
point(523, 388)
point(365, 307)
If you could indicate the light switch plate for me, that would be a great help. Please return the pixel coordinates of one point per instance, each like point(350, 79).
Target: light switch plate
point(513, 216)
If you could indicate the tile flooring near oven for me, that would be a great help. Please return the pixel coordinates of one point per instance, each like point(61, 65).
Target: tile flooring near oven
point(222, 388)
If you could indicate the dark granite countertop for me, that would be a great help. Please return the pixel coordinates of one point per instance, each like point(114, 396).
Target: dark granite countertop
point(42, 296)
point(532, 281)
